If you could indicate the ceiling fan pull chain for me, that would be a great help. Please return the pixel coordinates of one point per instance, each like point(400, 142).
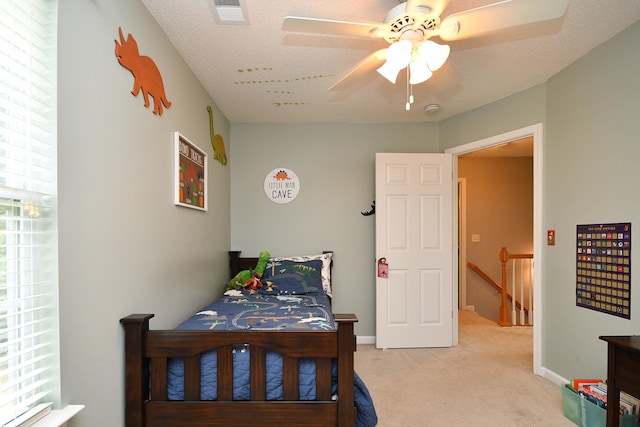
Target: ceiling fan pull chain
point(409, 96)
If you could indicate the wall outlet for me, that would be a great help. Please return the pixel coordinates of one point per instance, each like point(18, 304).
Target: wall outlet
point(475, 238)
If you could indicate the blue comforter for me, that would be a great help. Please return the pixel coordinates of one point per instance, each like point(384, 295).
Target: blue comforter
point(260, 311)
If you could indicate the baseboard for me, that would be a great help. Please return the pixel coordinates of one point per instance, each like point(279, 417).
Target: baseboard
point(553, 377)
point(366, 340)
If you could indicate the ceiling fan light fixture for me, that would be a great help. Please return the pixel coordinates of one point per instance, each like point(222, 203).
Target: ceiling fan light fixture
point(409, 26)
point(433, 54)
point(389, 72)
point(418, 72)
point(398, 57)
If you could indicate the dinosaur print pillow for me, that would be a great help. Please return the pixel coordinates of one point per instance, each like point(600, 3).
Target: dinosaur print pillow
point(296, 275)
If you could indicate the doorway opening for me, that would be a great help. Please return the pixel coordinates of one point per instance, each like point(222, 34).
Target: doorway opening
point(534, 132)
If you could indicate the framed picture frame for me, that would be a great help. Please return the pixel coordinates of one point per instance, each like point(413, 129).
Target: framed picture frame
point(190, 174)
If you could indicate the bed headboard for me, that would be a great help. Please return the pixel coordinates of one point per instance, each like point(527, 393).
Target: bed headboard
point(237, 264)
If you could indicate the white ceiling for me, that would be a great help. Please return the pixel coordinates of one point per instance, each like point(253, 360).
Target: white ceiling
point(257, 73)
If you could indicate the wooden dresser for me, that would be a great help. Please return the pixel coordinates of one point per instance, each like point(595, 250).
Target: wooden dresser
point(623, 372)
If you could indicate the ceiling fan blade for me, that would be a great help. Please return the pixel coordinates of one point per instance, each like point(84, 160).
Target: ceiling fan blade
point(328, 26)
point(436, 6)
point(367, 64)
point(497, 16)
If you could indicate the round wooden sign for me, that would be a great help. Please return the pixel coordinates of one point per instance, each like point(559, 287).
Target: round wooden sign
point(281, 185)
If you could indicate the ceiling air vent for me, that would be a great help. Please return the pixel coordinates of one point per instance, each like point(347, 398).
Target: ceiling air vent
point(230, 11)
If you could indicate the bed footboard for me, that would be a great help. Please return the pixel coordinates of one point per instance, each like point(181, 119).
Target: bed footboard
point(147, 352)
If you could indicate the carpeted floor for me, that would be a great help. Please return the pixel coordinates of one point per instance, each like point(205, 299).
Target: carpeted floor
point(486, 380)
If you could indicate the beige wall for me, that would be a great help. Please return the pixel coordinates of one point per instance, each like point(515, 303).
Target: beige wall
point(335, 165)
point(499, 209)
point(124, 247)
point(591, 176)
point(589, 112)
point(517, 111)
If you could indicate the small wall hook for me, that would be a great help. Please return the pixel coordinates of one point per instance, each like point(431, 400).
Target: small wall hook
point(371, 211)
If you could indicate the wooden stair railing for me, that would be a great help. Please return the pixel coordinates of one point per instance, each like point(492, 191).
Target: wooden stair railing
point(495, 285)
point(525, 312)
point(505, 256)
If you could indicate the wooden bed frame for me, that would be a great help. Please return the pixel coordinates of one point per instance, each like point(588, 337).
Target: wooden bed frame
point(146, 353)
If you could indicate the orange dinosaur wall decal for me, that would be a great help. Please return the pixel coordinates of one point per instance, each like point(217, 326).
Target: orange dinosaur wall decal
point(217, 141)
point(146, 75)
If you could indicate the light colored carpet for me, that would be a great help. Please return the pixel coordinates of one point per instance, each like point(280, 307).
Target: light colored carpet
point(486, 380)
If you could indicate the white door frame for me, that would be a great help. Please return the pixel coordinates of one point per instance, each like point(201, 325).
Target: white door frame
point(462, 246)
point(536, 132)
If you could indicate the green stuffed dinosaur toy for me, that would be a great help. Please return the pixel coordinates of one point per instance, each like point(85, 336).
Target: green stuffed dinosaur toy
point(250, 279)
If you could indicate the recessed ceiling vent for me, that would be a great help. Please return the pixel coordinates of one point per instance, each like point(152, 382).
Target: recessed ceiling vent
point(230, 11)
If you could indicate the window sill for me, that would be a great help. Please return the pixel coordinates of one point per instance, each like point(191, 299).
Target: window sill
point(59, 417)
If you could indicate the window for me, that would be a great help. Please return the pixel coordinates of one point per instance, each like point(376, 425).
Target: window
point(29, 364)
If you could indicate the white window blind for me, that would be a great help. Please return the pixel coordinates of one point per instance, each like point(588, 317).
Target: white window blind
point(29, 362)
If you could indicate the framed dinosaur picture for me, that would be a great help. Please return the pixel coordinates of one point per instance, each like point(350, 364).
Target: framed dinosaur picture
point(190, 174)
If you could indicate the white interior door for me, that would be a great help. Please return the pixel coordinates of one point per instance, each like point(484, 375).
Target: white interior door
point(414, 233)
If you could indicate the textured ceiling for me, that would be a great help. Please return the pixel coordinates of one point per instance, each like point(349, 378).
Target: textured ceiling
point(257, 73)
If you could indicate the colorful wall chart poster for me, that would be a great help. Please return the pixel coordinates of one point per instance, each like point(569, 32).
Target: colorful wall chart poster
point(603, 268)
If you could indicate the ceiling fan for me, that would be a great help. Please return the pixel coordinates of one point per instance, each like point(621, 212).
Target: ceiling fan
point(409, 26)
